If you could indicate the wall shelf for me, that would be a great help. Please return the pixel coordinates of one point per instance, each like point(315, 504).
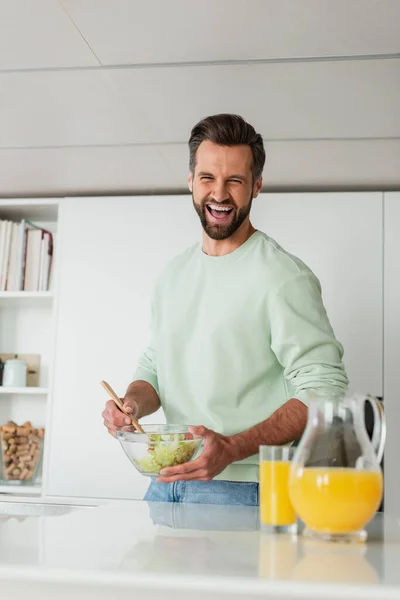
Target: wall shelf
point(23, 490)
point(29, 391)
point(25, 299)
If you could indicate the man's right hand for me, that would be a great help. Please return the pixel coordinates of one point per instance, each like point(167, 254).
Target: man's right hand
point(114, 418)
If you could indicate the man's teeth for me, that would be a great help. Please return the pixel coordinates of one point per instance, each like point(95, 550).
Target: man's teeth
point(220, 208)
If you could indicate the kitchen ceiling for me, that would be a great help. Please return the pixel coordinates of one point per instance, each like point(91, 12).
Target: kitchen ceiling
point(98, 96)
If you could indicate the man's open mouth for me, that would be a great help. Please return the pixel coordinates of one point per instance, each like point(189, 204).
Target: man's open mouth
point(219, 213)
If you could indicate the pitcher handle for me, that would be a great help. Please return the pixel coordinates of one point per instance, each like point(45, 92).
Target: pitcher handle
point(379, 432)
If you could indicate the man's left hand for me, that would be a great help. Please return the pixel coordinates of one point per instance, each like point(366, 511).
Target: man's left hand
point(218, 453)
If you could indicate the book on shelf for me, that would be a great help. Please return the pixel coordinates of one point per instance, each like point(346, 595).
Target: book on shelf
point(26, 252)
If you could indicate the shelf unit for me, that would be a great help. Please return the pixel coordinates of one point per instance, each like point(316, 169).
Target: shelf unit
point(21, 490)
point(28, 391)
point(25, 295)
point(26, 299)
point(27, 326)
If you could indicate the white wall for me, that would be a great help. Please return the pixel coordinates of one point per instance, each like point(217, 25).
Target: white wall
point(340, 237)
point(113, 249)
point(391, 349)
point(100, 97)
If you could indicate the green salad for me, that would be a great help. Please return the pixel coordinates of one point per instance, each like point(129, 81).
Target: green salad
point(167, 450)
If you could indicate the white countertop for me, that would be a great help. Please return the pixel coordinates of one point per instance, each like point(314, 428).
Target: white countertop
point(176, 551)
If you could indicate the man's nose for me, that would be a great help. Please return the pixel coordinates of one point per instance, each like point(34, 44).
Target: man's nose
point(219, 192)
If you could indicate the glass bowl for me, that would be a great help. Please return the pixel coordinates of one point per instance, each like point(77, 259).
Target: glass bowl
point(161, 446)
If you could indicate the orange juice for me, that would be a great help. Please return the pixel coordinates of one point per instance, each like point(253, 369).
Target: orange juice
point(335, 500)
point(275, 505)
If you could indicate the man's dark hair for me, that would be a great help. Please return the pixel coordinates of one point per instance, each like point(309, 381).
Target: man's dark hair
point(228, 130)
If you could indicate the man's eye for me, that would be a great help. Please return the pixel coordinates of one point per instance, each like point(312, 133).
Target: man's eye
point(205, 177)
point(235, 181)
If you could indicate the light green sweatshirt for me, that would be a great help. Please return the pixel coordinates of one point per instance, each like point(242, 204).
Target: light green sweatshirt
point(235, 337)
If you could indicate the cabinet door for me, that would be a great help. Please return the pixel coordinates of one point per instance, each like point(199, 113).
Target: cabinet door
point(112, 250)
point(391, 349)
point(339, 236)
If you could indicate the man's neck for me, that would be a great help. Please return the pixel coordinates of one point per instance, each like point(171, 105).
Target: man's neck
point(222, 247)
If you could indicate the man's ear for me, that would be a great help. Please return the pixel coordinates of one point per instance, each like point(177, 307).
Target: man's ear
point(190, 182)
point(257, 187)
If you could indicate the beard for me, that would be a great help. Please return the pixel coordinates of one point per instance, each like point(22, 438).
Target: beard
point(219, 231)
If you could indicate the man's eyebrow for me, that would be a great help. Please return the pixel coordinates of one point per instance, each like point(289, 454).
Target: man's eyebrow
point(202, 173)
point(233, 176)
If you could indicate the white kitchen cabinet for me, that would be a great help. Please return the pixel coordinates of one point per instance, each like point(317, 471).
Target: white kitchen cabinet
point(340, 237)
point(27, 326)
point(391, 348)
point(112, 251)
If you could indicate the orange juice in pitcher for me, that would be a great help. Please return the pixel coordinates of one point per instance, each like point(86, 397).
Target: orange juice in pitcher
point(335, 500)
point(336, 483)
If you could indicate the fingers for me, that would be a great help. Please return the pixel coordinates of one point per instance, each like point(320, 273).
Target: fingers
point(112, 431)
point(200, 430)
point(130, 406)
point(198, 475)
point(188, 467)
point(199, 469)
point(115, 418)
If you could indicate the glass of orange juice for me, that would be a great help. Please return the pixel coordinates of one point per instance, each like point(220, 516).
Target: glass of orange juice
point(276, 511)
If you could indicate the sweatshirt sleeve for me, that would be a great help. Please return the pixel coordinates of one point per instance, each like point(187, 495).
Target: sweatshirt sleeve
point(147, 365)
point(302, 337)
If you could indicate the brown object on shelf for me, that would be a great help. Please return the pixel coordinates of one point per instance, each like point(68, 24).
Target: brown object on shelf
point(23, 431)
point(10, 428)
point(21, 453)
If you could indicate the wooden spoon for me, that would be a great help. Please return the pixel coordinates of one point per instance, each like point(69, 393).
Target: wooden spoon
point(118, 402)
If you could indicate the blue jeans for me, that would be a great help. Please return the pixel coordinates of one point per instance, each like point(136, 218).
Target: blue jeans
point(243, 493)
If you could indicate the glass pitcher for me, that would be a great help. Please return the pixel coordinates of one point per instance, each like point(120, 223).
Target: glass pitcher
point(335, 481)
